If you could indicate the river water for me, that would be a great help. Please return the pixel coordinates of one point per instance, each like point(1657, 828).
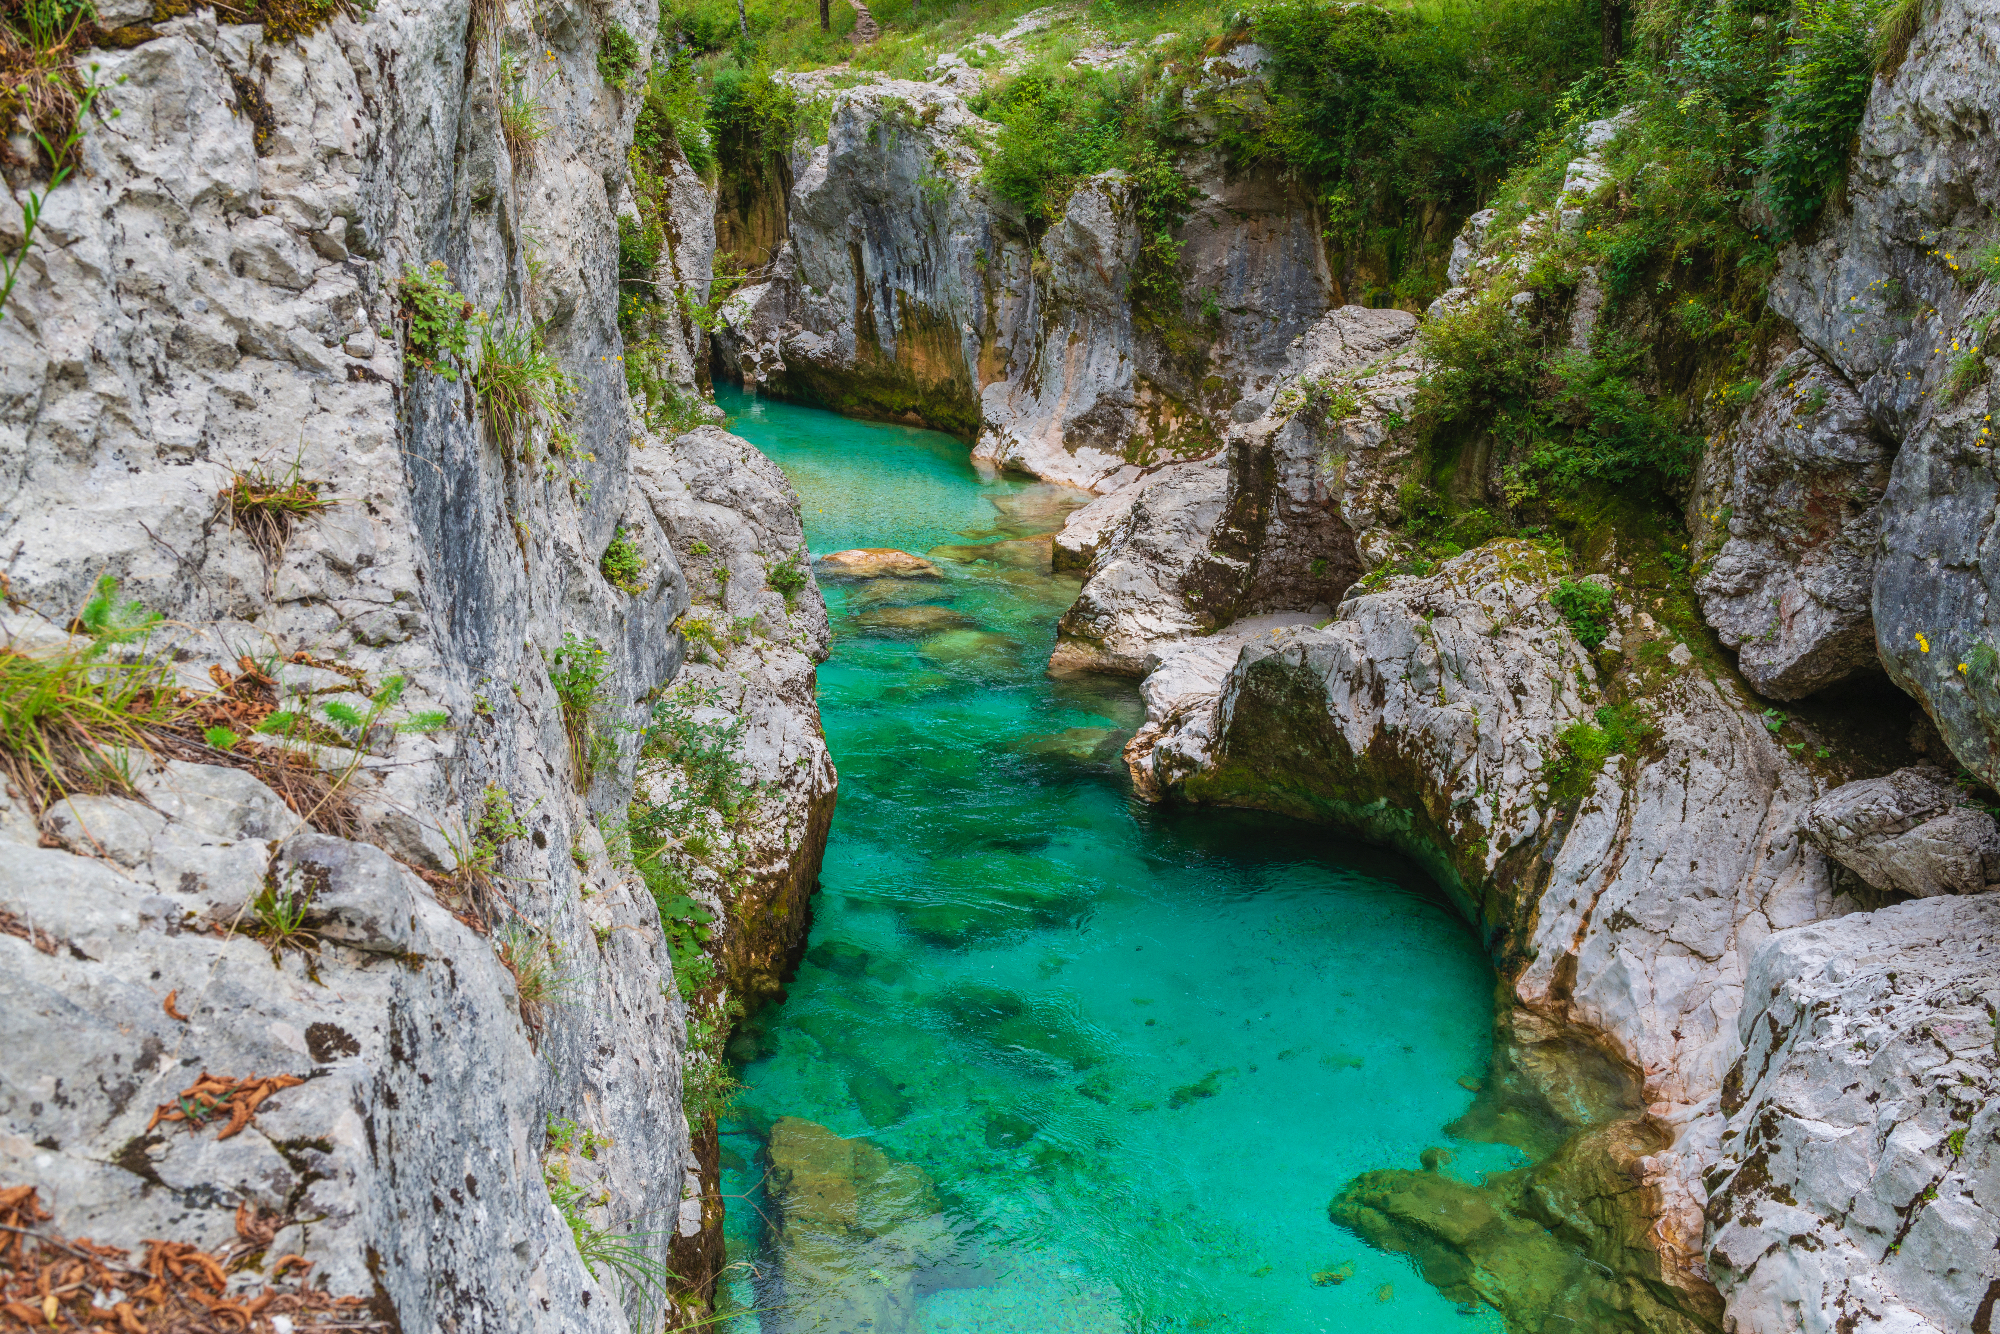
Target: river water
point(1056, 1060)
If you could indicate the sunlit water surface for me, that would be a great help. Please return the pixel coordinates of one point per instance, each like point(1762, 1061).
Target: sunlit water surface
point(1135, 1052)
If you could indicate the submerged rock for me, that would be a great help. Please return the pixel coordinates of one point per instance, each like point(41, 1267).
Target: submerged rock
point(852, 1227)
point(920, 620)
point(878, 563)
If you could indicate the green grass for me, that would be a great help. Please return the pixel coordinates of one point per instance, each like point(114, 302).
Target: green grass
point(520, 385)
point(578, 672)
point(70, 717)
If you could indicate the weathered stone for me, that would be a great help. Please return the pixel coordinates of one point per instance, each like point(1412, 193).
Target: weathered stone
point(1784, 518)
point(1271, 525)
point(1860, 1162)
point(1910, 833)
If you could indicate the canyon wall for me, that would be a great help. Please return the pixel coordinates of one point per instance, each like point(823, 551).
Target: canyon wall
point(399, 944)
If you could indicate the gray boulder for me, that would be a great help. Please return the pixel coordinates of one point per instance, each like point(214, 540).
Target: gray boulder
point(1786, 504)
point(1910, 832)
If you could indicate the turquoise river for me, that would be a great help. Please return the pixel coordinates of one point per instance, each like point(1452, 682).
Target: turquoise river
point(1113, 1061)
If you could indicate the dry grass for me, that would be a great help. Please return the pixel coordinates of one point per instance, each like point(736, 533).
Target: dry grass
point(266, 508)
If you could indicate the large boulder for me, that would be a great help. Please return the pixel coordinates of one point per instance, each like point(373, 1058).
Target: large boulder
point(1784, 516)
point(1911, 832)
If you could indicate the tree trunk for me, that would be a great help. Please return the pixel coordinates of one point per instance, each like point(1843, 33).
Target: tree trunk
point(825, 16)
point(742, 19)
point(1613, 12)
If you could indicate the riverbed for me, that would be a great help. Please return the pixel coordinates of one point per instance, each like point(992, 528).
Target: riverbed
point(1056, 1060)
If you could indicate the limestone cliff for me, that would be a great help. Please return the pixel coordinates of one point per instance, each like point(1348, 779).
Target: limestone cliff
point(904, 288)
point(360, 884)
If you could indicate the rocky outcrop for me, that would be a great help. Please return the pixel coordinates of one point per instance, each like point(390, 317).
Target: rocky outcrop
point(1785, 516)
point(415, 916)
point(1625, 895)
point(1887, 292)
point(1911, 833)
point(1278, 522)
point(1858, 1181)
point(907, 290)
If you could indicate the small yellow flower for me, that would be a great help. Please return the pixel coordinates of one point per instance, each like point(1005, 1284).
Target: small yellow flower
point(1961, 669)
point(1923, 643)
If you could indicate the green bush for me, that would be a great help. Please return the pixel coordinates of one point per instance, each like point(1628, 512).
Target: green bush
point(790, 576)
point(1824, 91)
point(622, 566)
point(438, 319)
point(617, 55)
point(1587, 607)
point(1057, 128)
point(675, 111)
point(639, 245)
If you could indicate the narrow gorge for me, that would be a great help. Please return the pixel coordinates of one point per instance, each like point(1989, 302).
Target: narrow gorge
point(990, 668)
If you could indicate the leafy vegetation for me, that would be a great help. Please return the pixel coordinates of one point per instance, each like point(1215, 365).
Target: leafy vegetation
point(618, 55)
point(789, 576)
point(622, 566)
point(1587, 606)
point(1583, 747)
point(578, 671)
point(438, 319)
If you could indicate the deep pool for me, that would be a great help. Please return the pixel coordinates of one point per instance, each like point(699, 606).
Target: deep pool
point(1131, 1052)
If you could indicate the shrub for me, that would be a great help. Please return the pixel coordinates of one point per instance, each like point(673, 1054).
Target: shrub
point(438, 320)
point(622, 566)
point(676, 112)
point(578, 671)
point(1819, 106)
point(617, 55)
point(639, 245)
point(1587, 606)
point(789, 576)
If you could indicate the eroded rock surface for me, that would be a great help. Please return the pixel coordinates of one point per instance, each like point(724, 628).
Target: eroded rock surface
point(215, 298)
point(1912, 833)
point(1278, 522)
point(1785, 515)
point(905, 289)
point(1863, 1137)
point(1882, 293)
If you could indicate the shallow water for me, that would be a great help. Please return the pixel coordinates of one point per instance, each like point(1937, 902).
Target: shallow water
point(1133, 1053)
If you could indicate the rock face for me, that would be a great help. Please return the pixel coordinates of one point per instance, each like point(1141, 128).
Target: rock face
point(1909, 833)
point(1861, 1147)
point(1885, 293)
point(1270, 525)
point(906, 290)
point(1787, 504)
point(216, 300)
